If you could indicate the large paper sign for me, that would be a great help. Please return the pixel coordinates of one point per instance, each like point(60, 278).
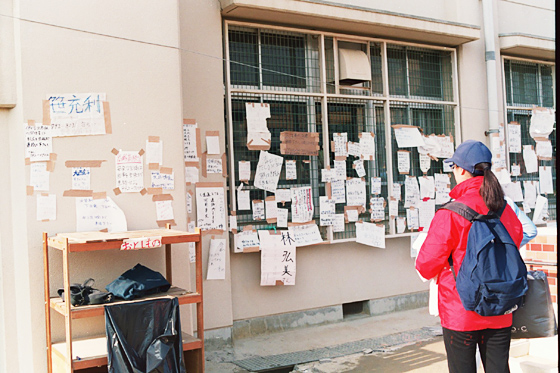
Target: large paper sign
point(77, 114)
point(278, 258)
point(305, 234)
point(408, 136)
point(97, 214)
point(370, 234)
point(210, 208)
point(130, 171)
point(299, 143)
point(217, 260)
point(302, 204)
point(258, 135)
point(38, 142)
point(268, 171)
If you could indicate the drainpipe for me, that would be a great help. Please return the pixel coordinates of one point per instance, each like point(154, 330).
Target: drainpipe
point(491, 81)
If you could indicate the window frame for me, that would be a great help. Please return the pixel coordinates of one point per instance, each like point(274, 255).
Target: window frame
point(323, 96)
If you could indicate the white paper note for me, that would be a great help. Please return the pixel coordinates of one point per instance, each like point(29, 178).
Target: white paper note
point(354, 149)
point(543, 149)
point(411, 192)
point(244, 170)
point(427, 186)
point(232, 222)
point(425, 162)
point(282, 219)
point(403, 161)
point(367, 146)
point(338, 223)
point(189, 203)
point(359, 167)
point(164, 181)
point(258, 210)
point(426, 212)
point(98, 214)
point(326, 211)
point(210, 208)
point(283, 195)
point(271, 209)
point(304, 235)
point(46, 207)
point(530, 158)
point(396, 191)
point(355, 192)
point(129, 171)
point(278, 258)
point(401, 224)
point(412, 218)
point(154, 152)
point(545, 180)
point(352, 215)
point(377, 206)
point(515, 170)
point(39, 176)
point(164, 210)
point(291, 170)
point(370, 234)
point(268, 171)
point(340, 144)
point(393, 207)
point(541, 210)
point(338, 191)
point(408, 137)
point(340, 170)
point(190, 149)
point(77, 114)
point(81, 178)
point(192, 248)
point(191, 174)
point(213, 145)
point(513, 191)
point(375, 183)
point(38, 142)
point(514, 137)
point(245, 240)
point(214, 166)
point(217, 260)
point(542, 122)
point(328, 175)
point(531, 188)
point(302, 204)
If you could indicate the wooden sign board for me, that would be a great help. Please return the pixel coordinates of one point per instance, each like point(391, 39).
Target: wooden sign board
point(299, 143)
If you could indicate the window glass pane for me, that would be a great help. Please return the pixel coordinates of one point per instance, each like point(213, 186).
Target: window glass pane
point(547, 86)
point(396, 59)
point(283, 60)
point(376, 75)
point(244, 57)
point(524, 83)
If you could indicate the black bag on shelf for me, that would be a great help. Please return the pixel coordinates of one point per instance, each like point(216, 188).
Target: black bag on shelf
point(84, 294)
point(536, 318)
point(138, 282)
point(144, 337)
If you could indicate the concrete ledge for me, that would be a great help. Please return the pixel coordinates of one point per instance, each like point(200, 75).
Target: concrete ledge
point(397, 303)
point(286, 321)
point(216, 339)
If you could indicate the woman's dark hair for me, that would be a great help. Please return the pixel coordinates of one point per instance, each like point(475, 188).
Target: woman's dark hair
point(491, 190)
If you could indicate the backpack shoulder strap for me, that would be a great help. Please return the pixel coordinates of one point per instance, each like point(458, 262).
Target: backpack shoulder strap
point(461, 209)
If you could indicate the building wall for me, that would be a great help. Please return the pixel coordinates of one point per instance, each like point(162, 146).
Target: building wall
point(130, 51)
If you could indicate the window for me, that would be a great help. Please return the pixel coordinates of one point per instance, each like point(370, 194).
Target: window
point(283, 67)
point(529, 84)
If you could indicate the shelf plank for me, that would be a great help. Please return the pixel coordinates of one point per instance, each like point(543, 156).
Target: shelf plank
point(92, 352)
point(92, 241)
point(80, 312)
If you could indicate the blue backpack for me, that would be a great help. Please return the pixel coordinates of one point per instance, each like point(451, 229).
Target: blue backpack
point(492, 279)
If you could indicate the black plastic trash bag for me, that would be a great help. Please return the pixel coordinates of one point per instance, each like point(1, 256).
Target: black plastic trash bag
point(138, 282)
point(536, 318)
point(144, 337)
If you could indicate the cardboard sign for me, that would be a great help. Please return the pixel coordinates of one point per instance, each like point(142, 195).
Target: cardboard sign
point(299, 143)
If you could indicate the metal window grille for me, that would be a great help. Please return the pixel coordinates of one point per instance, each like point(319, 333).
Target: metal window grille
point(296, 73)
point(529, 84)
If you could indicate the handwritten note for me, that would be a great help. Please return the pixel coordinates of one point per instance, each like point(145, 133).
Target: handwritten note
point(217, 260)
point(359, 167)
point(356, 192)
point(513, 191)
point(258, 135)
point(271, 209)
point(340, 141)
point(514, 137)
point(530, 158)
point(141, 243)
point(192, 248)
point(370, 234)
point(283, 195)
point(291, 170)
point(412, 218)
point(515, 170)
point(354, 149)
point(446, 148)
point(425, 162)
point(81, 178)
point(377, 206)
point(268, 171)
point(154, 152)
point(38, 142)
point(393, 207)
point(164, 210)
point(396, 191)
point(338, 191)
point(232, 223)
point(210, 208)
point(214, 166)
point(278, 258)
point(244, 170)
point(299, 143)
point(39, 176)
point(98, 214)
point(543, 149)
point(163, 180)
point(129, 171)
point(411, 192)
point(340, 170)
point(306, 234)
point(258, 209)
point(190, 142)
point(326, 211)
point(408, 136)
point(545, 180)
point(77, 114)
point(243, 200)
point(189, 202)
point(351, 215)
point(339, 223)
point(403, 161)
point(375, 183)
point(246, 240)
point(328, 175)
point(367, 146)
point(302, 204)
point(282, 219)
point(46, 207)
point(531, 187)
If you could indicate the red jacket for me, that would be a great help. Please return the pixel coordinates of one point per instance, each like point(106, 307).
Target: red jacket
point(448, 235)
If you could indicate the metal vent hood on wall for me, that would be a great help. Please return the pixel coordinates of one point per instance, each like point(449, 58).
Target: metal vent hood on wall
point(345, 18)
point(354, 67)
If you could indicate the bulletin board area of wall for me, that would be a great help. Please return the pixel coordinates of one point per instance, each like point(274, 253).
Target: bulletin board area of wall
point(297, 74)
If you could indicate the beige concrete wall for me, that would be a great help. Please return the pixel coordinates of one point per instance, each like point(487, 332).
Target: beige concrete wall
point(532, 17)
point(128, 50)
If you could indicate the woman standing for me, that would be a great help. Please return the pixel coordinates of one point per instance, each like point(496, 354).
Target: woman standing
point(463, 330)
